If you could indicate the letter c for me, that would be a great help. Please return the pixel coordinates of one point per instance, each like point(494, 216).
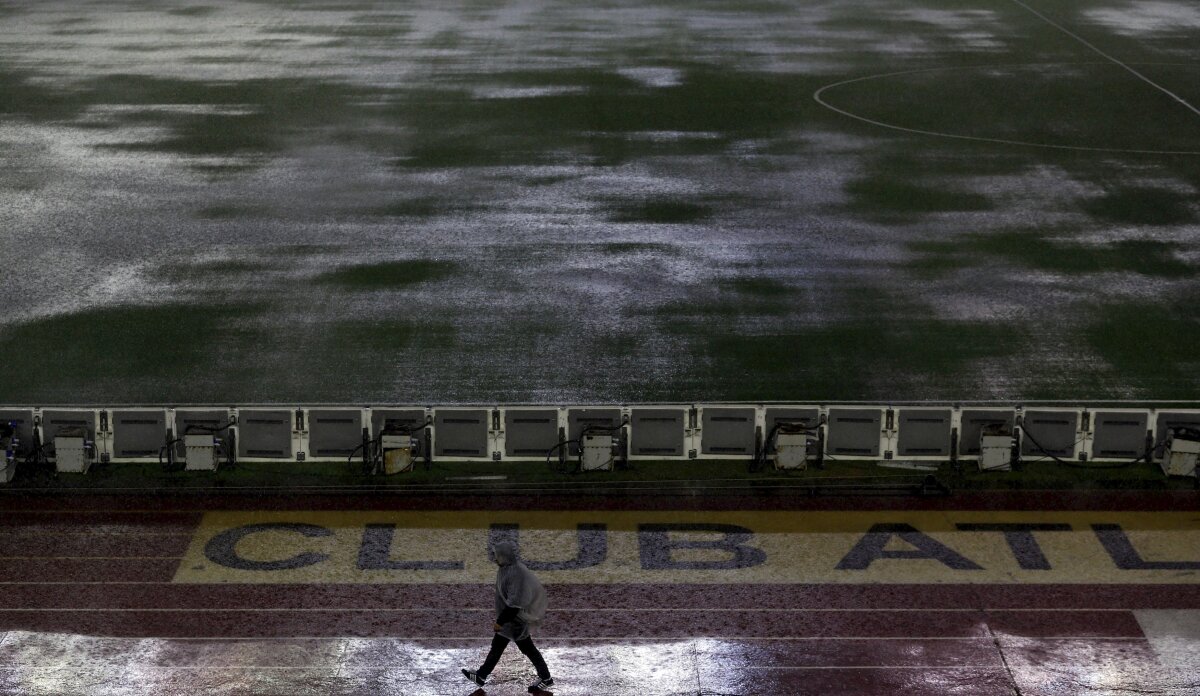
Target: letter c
point(222, 549)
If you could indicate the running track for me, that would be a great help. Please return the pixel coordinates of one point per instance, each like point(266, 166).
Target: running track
point(88, 607)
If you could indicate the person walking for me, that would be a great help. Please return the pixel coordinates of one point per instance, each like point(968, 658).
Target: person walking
point(520, 607)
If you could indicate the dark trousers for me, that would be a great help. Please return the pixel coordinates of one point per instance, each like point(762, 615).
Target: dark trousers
point(527, 648)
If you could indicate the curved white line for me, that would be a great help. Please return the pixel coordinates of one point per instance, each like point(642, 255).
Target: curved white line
point(817, 96)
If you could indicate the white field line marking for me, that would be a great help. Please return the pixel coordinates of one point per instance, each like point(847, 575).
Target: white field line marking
point(57, 533)
point(871, 667)
point(623, 610)
point(91, 558)
point(419, 490)
point(298, 668)
point(416, 585)
point(818, 96)
point(27, 530)
point(543, 405)
point(1108, 57)
point(569, 639)
point(631, 488)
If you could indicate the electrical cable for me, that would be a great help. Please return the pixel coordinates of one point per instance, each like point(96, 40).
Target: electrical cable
point(208, 428)
point(1043, 450)
point(230, 455)
point(559, 468)
point(165, 448)
point(37, 457)
point(8, 434)
point(590, 429)
point(1185, 432)
point(1071, 464)
point(372, 453)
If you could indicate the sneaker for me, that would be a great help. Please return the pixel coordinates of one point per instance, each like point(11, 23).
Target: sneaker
point(473, 677)
point(542, 684)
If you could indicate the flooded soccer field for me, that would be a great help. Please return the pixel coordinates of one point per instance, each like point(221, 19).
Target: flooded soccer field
point(625, 201)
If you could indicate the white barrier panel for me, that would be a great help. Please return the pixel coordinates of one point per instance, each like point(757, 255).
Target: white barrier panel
point(529, 432)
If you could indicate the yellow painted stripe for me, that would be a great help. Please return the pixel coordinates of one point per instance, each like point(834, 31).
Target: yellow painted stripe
point(787, 547)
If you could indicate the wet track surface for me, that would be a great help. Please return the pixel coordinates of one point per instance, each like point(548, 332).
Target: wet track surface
point(97, 602)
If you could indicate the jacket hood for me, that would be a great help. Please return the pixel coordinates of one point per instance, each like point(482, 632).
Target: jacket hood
point(505, 553)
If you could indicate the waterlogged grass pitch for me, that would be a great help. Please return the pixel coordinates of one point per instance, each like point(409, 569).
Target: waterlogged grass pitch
point(455, 201)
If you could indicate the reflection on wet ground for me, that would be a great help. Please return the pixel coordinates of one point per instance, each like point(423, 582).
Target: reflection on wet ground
point(601, 668)
point(551, 201)
point(111, 596)
point(740, 647)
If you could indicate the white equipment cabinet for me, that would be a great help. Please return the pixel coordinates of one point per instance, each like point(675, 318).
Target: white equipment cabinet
point(791, 450)
point(995, 449)
point(72, 451)
point(397, 452)
point(1180, 455)
point(597, 453)
point(200, 452)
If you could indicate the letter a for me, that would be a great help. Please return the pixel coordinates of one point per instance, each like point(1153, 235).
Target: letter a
point(870, 548)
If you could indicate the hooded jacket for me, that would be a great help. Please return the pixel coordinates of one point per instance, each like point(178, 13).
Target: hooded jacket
point(517, 588)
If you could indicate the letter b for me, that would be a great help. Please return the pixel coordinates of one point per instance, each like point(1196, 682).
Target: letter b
point(656, 546)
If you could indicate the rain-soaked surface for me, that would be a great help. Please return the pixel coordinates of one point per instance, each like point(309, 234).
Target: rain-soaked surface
point(113, 595)
point(553, 200)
